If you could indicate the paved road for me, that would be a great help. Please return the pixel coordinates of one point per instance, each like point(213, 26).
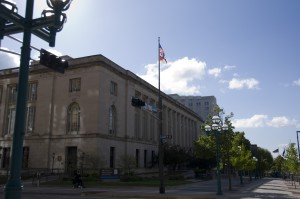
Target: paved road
point(261, 189)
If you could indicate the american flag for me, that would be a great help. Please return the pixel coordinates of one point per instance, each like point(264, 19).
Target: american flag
point(162, 54)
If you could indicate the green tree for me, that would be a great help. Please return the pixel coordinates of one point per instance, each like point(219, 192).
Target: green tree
point(127, 164)
point(205, 147)
point(264, 161)
point(291, 162)
point(175, 155)
point(277, 166)
point(242, 159)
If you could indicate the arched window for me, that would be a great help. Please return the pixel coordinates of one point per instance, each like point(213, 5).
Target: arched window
point(73, 118)
point(112, 125)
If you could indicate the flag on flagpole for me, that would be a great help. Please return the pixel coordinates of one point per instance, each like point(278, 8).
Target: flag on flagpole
point(276, 151)
point(162, 54)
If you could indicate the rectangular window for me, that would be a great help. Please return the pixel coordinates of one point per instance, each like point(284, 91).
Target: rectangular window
point(137, 158)
point(152, 158)
point(10, 120)
point(0, 94)
point(74, 85)
point(113, 88)
point(32, 92)
point(12, 94)
point(25, 157)
point(6, 157)
point(112, 157)
point(30, 116)
point(145, 158)
point(206, 103)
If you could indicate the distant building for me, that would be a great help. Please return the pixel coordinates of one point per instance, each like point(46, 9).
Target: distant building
point(84, 117)
point(202, 105)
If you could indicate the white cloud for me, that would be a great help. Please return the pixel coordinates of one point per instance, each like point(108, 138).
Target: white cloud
point(250, 83)
point(297, 82)
point(216, 72)
point(253, 122)
point(280, 122)
point(259, 120)
point(228, 67)
point(9, 60)
point(177, 76)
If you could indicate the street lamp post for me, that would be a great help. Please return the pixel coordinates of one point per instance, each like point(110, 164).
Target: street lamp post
point(217, 128)
point(298, 144)
point(45, 28)
point(255, 174)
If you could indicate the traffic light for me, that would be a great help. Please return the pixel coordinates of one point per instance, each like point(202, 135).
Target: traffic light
point(137, 102)
point(52, 61)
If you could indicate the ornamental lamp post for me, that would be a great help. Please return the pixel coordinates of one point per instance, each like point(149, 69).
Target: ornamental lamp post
point(45, 28)
point(216, 127)
point(255, 174)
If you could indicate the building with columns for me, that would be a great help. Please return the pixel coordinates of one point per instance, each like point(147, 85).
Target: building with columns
point(85, 117)
point(203, 105)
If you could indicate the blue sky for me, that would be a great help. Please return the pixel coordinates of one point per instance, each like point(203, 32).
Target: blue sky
point(246, 53)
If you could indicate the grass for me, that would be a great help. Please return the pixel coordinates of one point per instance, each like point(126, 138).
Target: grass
point(96, 183)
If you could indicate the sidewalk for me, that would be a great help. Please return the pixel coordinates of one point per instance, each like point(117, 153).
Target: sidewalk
point(198, 190)
point(195, 190)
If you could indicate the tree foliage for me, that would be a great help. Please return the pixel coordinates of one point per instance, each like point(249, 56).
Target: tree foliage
point(205, 147)
point(291, 157)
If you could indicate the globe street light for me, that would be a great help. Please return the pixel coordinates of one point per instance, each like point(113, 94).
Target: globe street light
point(216, 127)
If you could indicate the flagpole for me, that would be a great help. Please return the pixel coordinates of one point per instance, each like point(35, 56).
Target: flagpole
point(160, 127)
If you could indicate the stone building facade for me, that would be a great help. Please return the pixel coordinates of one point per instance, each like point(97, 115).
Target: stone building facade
point(84, 117)
point(203, 105)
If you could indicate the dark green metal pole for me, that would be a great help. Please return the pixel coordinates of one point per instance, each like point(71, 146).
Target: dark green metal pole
point(219, 191)
point(13, 188)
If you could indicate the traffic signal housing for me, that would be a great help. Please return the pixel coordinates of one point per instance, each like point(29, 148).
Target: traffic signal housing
point(136, 102)
point(52, 61)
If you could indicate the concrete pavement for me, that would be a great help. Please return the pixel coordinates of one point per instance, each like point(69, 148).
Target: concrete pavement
point(261, 188)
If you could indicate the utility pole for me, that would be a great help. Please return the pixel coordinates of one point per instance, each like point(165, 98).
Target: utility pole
point(45, 28)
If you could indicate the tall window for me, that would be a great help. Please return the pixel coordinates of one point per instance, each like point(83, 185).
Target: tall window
point(25, 157)
point(152, 124)
point(11, 109)
point(74, 85)
point(32, 92)
point(112, 157)
point(113, 88)
point(12, 94)
point(152, 158)
point(30, 113)
point(30, 116)
point(145, 158)
point(137, 119)
point(0, 94)
point(112, 120)
point(6, 157)
point(137, 158)
point(73, 118)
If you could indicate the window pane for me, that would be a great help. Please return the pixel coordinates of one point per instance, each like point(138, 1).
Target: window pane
point(32, 91)
point(75, 85)
point(73, 118)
